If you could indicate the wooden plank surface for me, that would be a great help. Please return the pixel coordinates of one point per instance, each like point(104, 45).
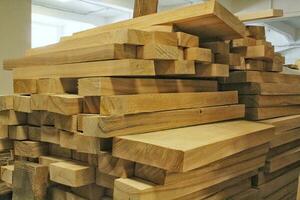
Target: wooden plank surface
point(258, 15)
point(177, 153)
point(271, 112)
point(284, 123)
point(110, 126)
point(144, 7)
point(30, 149)
point(6, 102)
point(269, 101)
point(65, 104)
point(285, 137)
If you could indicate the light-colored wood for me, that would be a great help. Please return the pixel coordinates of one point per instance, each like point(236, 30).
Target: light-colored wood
point(7, 173)
point(68, 140)
point(198, 54)
point(142, 190)
point(77, 55)
point(107, 86)
point(243, 42)
point(161, 37)
point(257, 32)
point(22, 104)
point(71, 174)
point(211, 71)
point(110, 126)
point(18, 132)
point(91, 191)
point(65, 104)
point(30, 181)
point(271, 112)
point(285, 137)
point(217, 47)
point(105, 180)
point(3, 131)
point(258, 15)
point(30, 149)
point(39, 101)
point(6, 102)
point(39, 118)
point(10, 117)
point(187, 40)
point(113, 166)
point(56, 86)
point(63, 194)
point(67, 123)
point(57, 150)
point(25, 86)
point(163, 177)
point(50, 134)
point(127, 67)
point(34, 133)
point(157, 52)
point(247, 195)
point(131, 104)
point(167, 67)
point(79, 121)
point(269, 101)
point(180, 157)
point(47, 160)
point(5, 144)
point(87, 144)
point(261, 52)
point(144, 7)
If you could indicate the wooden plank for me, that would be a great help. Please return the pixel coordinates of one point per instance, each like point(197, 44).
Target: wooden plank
point(269, 101)
point(188, 19)
point(30, 181)
point(67, 123)
point(260, 52)
point(68, 140)
point(6, 102)
point(65, 104)
point(271, 112)
point(39, 118)
point(217, 47)
point(122, 86)
point(39, 101)
point(90, 145)
point(197, 54)
point(25, 86)
point(105, 180)
point(50, 134)
point(142, 190)
point(113, 166)
point(47, 160)
point(211, 71)
point(187, 40)
point(91, 191)
point(22, 104)
point(167, 67)
point(285, 191)
point(142, 7)
point(77, 55)
point(56, 86)
point(34, 133)
point(61, 193)
point(157, 52)
point(132, 104)
point(56, 150)
point(30, 149)
point(3, 131)
point(5, 144)
point(10, 117)
point(263, 88)
point(127, 67)
point(178, 154)
point(71, 174)
point(243, 42)
point(110, 126)
point(258, 15)
point(285, 137)
point(247, 195)
point(257, 32)
point(163, 177)
point(7, 173)
point(18, 132)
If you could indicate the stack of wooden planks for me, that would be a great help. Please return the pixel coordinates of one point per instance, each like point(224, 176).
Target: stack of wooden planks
point(133, 110)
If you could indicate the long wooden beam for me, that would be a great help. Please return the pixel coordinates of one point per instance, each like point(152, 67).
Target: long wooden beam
point(258, 15)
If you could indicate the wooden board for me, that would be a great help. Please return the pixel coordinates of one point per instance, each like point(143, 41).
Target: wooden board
point(269, 101)
point(180, 157)
point(7, 173)
point(62, 193)
point(22, 104)
point(132, 104)
point(258, 15)
point(285, 137)
point(91, 145)
point(67, 123)
point(71, 174)
point(218, 22)
point(142, 7)
point(197, 54)
point(177, 67)
point(122, 86)
point(34, 133)
point(157, 52)
point(271, 112)
point(3, 131)
point(47, 160)
point(6, 102)
point(56, 86)
point(68, 140)
point(39, 118)
point(263, 88)
point(25, 86)
point(10, 117)
point(110, 126)
point(187, 40)
point(18, 132)
point(284, 192)
point(65, 104)
point(247, 195)
point(211, 71)
point(77, 55)
point(50, 134)
point(284, 123)
point(39, 101)
point(30, 149)
point(127, 67)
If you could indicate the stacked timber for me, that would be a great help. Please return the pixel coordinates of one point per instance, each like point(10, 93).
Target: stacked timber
point(132, 110)
point(271, 97)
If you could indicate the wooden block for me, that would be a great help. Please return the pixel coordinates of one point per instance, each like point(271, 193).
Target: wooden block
point(10, 117)
point(125, 67)
point(187, 40)
point(217, 47)
point(6, 102)
point(30, 149)
point(7, 173)
point(39, 101)
point(39, 118)
point(162, 28)
point(107, 86)
point(76, 55)
point(257, 15)
point(65, 104)
point(57, 150)
point(131, 104)
point(284, 123)
point(157, 52)
point(86, 144)
point(50, 134)
point(262, 52)
point(267, 89)
point(67, 123)
point(269, 101)
point(59, 192)
point(243, 42)
point(18, 132)
point(71, 174)
point(113, 166)
point(162, 37)
point(282, 160)
point(68, 140)
point(198, 54)
point(285, 192)
point(271, 112)
point(142, 7)
point(105, 180)
point(285, 137)
point(110, 126)
point(79, 121)
point(22, 104)
point(234, 59)
point(221, 59)
point(211, 70)
point(257, 32)
point(91, 104)
point(5, 144)
point(3, 131)
point(25, 86)
point(34, 133)
point(163, 177)
point(179, 160)
point(246, 195)
point(91, 191)
point(166, 67)
point(30, 181)
point(56, 86)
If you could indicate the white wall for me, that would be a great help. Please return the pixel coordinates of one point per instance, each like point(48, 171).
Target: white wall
point(15, 32)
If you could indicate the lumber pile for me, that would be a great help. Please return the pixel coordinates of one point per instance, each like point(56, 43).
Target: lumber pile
point(133, 110)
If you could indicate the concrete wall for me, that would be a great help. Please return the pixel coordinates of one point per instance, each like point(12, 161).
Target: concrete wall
point(15, 35)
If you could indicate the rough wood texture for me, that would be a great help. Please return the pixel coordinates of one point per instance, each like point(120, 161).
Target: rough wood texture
point(264, 14)
point(25, 86)
point(187, 40)
point(108, 86)
point(3, 131)
point(271, 112)
point(110, 126)
point(30, 149)
point(10, 117)
point(68, 139)
point(7, 173)
point(177, 67)
point(67, 123)
point(18, 132)
point(6, 102)
point(65, 104)
point(157, 52)
point(145, 7)
point(56, 86)
point(50, 134)
point(177, 156)
point(22, 104)
point(269, 101)
point(198, 54)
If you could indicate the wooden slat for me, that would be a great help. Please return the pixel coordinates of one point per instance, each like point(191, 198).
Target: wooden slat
point(25, 86)
point(285, 137)
point(7, 174)
point(157, 52)
point(258, 15)
point(271, 112)
point(177, 153)
point(126, 67)
point(18, 132)
point(269, 101)
point(65, 104)
point(110, 126)
point(6, 102)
